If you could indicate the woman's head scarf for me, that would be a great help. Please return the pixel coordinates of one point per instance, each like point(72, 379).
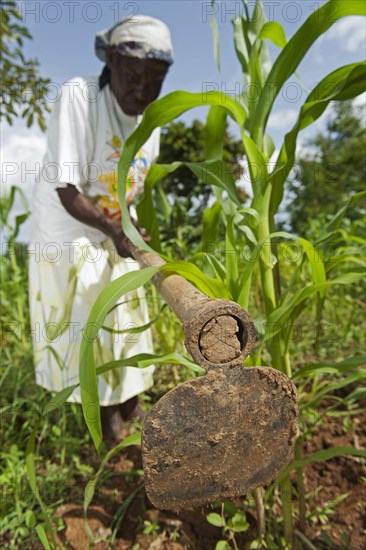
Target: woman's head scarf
point(139, 36)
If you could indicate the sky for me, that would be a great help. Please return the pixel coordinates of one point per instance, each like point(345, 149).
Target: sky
point(63, 42)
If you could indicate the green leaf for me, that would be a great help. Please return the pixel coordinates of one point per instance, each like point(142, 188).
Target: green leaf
point(215, 133)
point(39, 529)
point(250, 212)
point(141, 360)
point(258, 18)
point(322, 456)
point(157, 114)
point(87, 372)
point(215, 519)
point(274, 32)
point(357, 394)
point(134, 439)
point(344, 83)
point(136, 330)
point(121, 512)
point(239, 523)
point(175, 358)
point(257, 167)
point(215, 264)
point(325, 368)
point(338, 217)
point(212, 287)
point(31, 473)
point(30, 519)
point(248, 232)
point(19, 220)
point(145, 208)
point(277, 319)
point(245, 284)
point(15, 190)
point(30, 458)
point(210, 225)
point(30, 120)
point(241, 41)
point(159, 171)
point(269, 146)
point(229, 508)
point(259, 58)
point(232, 260)
point(42, 123)
point(58, 400)
point(214, 172)
point(313, 256)
point(216, 37)
point(293, 53)
point(329, 389)
point(163, 201)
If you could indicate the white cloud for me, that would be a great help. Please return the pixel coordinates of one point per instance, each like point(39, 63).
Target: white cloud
point(21, 156)
point(274, 156)
point(282, 119)
point(319, 58)
point(350, 34)
point(22, 153)
point(360, 101)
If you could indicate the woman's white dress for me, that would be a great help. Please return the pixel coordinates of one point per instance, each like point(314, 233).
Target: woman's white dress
point(70, 263)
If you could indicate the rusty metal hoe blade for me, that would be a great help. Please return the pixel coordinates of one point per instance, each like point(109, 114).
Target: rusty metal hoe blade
point(227, 432)
point(220, 435)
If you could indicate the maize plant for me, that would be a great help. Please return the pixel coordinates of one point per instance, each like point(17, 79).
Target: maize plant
point(249, 265)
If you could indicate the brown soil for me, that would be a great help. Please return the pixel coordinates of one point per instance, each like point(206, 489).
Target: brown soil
point(329, 480)
point(337, 477)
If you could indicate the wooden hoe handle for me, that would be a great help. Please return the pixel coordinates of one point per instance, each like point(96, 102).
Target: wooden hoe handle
point(217, 332)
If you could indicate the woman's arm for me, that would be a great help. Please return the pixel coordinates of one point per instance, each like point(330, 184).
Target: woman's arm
point(82, 209)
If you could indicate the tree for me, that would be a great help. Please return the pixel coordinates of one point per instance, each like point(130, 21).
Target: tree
point(22, 90)
point(336, 168)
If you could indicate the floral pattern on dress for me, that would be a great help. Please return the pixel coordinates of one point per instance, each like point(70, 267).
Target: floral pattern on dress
point(109, 202)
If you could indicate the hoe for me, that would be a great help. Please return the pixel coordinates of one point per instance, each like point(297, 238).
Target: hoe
point(227, 432)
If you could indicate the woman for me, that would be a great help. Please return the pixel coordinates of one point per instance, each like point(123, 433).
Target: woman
point(77, 244)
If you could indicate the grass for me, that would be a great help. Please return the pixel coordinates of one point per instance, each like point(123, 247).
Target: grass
point(307, 307)
point(65, 461)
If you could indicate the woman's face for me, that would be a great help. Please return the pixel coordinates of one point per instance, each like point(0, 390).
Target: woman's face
point(135, 82)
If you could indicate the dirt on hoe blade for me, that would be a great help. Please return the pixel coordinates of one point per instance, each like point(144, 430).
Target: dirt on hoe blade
point(219, 436)
point(227, 432)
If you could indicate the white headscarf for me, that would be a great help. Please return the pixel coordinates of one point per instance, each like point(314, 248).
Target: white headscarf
point(138, 36)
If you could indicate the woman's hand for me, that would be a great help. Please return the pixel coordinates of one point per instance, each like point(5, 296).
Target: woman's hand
point(144, 234)
point(120, 241)
point(81, 208)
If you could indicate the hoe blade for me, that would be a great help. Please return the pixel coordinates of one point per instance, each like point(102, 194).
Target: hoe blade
point(219, 436)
